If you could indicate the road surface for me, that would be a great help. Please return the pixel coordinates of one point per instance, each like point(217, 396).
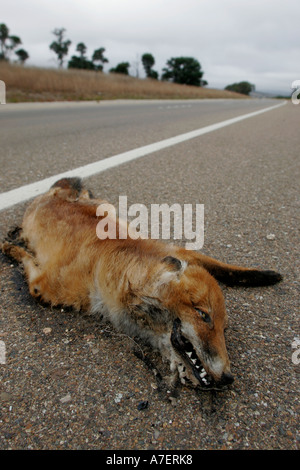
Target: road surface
point(70, 382)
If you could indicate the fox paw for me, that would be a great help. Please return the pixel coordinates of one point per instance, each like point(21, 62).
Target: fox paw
point(12, 251)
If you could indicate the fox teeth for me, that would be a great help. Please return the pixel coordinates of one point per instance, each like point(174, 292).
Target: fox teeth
point(189, 354)
point(203, 374)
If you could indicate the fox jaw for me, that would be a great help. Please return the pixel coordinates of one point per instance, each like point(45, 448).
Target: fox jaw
point(181, 313)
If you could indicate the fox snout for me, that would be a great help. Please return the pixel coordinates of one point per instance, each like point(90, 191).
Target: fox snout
point(217, 363)
point(209, 366)
point(226, 378)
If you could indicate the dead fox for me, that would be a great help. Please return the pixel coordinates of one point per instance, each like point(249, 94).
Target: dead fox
point(161, 293)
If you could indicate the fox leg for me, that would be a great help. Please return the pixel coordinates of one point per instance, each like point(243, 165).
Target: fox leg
point(229, 274)
point(35, 276)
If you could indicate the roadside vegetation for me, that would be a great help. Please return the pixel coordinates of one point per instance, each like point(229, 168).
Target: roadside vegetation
point(37, 84)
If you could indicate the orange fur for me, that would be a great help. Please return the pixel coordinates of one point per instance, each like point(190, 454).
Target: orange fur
point(159, 292)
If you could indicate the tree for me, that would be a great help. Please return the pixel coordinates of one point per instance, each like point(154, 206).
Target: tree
point(81, 48)
point(60, 47)
point(7, 42)
point(99, 57)
point(22, 55)
point(153, 74)
point(81, 61)
point(184, 70)
point(148, 61)
point(4, 35)
point(242, 87)
point(121, 68)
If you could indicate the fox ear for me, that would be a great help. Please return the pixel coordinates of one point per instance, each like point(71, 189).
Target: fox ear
point(175, 268)
point(174, 263)
point(170, 270)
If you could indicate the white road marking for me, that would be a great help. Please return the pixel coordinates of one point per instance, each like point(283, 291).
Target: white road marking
point(24, 193)
point(2, 353)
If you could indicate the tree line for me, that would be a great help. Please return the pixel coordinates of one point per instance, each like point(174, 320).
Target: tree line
point(182, 70)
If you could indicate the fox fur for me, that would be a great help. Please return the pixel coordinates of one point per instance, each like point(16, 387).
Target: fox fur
point(161, 293)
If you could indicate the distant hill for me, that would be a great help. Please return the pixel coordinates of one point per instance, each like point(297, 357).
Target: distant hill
point(263, 94)
point(25, 84)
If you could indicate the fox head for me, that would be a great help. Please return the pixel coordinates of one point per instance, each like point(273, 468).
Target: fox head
point(190, 303)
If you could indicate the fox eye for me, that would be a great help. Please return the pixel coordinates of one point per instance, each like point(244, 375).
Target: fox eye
point(205, 317)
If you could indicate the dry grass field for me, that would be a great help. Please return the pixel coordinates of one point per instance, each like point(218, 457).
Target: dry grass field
point(37, 84)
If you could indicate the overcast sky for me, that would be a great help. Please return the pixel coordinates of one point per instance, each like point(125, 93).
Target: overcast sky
point(234, 40)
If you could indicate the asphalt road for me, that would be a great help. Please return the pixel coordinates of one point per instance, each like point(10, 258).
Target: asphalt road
point(39, 140)
point(71, 382)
